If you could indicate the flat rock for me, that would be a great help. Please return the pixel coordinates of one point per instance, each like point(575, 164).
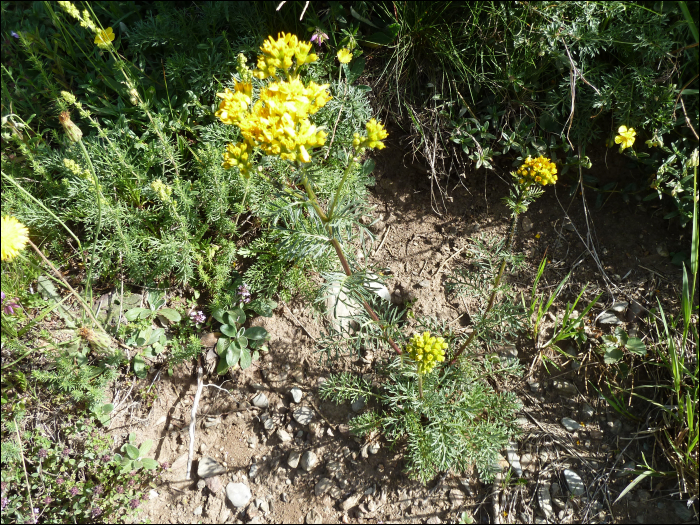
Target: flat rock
point(238, 494)
point(293, 459)
point(308, 460)
point(574, 482)
point(350, 502)
point(261, 401)
point(619, 307)
point(296, 394)
point(314, 517)
point(358, 404)
point(283, 435)
point(323, 486)
point(424, 283)
point(303, 415)
point(214, 484)
point(545, 500)
point(609, 317)
point(570, 424)
point(210, 339)
point(209, 467)
point(514, 459)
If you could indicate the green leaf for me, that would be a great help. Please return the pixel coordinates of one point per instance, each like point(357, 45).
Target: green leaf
point(136, 313)
point(236, 316)
point(229, 330)
point(242, 341)
point(219, 314)
point(140, 368)
point(246, 358)
point(221, 367)
point(263, 307)
point(149, 464)
point(256, 333)
point(636, 346)
point(145, 447)
point(612, 356)
point(368, 167)
point(170, 314)
point(363, 87)
point(222, 345)
point(106, 409)
point(233, 354)
point(362, 18)
point(355, 69)
point(132, 451)
point(155, 336)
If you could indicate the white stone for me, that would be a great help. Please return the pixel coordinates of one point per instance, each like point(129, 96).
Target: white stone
point(303, 415)
point(238, 494)
point(308, 460)
point(574, 482)
point(296, 394)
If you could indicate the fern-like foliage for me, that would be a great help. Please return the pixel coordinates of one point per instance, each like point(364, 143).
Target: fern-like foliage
point(460, 421)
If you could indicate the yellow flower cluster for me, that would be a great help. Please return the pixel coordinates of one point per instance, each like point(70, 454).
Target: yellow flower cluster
point(540, 170)
point(278, 54)
point(626, 137)
point(427, 351)
point(163, 191)
point(13, 237)
point(375, 134)
point(84, 19)
point(75, 168)
point(278, 122)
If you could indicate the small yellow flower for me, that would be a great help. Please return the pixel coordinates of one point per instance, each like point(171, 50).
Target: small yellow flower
point(540, 170)
point(344, 56)
point(375, 134)
point(13, 237)
point(626, 137)
point(104, 38)
point(427, 351)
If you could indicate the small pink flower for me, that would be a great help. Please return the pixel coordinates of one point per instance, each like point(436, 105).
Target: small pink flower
point(319, 37)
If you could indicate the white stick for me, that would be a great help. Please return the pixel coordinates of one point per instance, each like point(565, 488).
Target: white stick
point(193, 422)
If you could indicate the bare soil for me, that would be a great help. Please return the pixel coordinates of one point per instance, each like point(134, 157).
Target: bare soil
point(420, 247)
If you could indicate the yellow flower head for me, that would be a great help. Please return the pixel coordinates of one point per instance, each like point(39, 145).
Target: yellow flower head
point(104, 38)
point(538, 171)
point(13, 237)
point(278, 54)
point(344, 56)
point(626, 137)
point(163, 191)
point(375, 134)
point(427, 351)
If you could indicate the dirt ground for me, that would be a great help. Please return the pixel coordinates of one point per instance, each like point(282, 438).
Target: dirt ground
point(420, 248)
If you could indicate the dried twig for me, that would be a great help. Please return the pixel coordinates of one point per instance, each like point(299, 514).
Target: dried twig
point(455, 254)
point(381, 244)
point(193, 421)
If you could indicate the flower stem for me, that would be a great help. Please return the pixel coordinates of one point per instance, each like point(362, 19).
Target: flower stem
point(496, 282)
point(420, 385)
point(341, 256)
point(96, 182)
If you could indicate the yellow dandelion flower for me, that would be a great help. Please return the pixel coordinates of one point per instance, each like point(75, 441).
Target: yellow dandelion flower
point(13, 237)
point(626, 137)
point(105, 38)
point(344, 56)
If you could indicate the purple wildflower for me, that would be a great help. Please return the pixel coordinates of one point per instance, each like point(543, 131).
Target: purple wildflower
point(134, 503)
point(132, 482)
point(66, 452)
point(98, 490)
point(244, 293)
point(96, 512)
point(60, 480)
point(8, 308)
point(3, 486)
point(319, 37)
point(144, 497)
point(106, 458)
point(43, 453)
point(165, 465)
point(198, 316)
point(47, 500)
point(120, 490)
point(15, 35)
point(5, 502)
point(74, 491)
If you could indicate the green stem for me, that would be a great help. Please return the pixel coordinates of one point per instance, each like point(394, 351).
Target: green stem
point(496, 282)
point(420, 385)
point(95, 181)
point(341, 256)
point(339, 188)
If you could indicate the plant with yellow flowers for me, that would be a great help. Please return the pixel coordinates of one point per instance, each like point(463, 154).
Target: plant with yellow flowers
point(274, 117)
